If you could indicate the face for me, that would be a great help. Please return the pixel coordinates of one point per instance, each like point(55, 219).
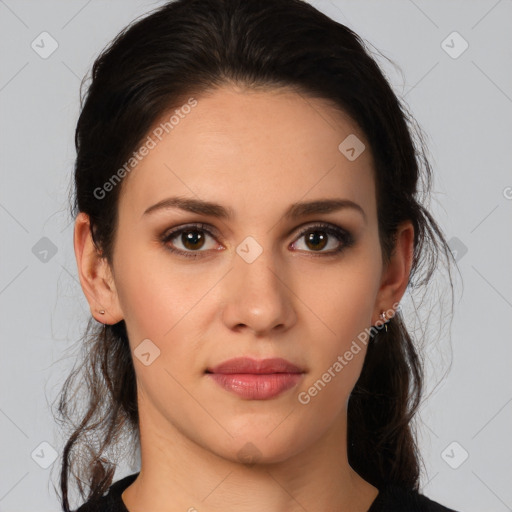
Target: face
point(268, 280)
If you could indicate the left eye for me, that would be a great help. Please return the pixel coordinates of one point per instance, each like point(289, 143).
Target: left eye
point(317, 238)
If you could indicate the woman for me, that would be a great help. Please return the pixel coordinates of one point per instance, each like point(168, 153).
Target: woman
point(248, 218)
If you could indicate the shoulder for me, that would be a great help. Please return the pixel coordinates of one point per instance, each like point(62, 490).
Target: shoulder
point(393, 498)
point(111, 501)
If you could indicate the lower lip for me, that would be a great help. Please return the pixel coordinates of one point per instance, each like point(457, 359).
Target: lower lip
point(256, 386)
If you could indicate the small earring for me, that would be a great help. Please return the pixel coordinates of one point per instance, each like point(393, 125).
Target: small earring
point(102, 311)
point(383, 316)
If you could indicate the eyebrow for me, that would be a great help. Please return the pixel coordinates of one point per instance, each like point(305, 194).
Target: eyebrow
point(295, 211)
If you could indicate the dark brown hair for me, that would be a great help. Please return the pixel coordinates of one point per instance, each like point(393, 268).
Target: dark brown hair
point(180, 50)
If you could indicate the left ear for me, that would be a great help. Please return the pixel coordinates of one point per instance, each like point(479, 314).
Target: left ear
point(395, 275)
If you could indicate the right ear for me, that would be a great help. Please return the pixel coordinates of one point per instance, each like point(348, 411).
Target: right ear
point(95, 274)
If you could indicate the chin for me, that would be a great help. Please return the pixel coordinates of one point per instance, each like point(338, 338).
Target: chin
point(253, 447)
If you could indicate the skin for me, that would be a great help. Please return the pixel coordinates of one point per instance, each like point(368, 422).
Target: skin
point(257, 153)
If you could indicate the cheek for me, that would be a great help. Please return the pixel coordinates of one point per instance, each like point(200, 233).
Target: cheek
point(155, 295)
point(340, 298)
point(161, 303)
point(341, 302)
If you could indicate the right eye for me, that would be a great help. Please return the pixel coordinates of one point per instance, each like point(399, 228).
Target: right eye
point(192, 238)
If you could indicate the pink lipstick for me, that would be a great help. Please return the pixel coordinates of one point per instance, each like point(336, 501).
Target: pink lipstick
point(254, 379)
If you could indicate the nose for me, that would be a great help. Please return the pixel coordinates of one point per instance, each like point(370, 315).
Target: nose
point(257, 296)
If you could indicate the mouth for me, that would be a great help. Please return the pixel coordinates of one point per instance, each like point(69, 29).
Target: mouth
point(255, 366)
point(254, 379)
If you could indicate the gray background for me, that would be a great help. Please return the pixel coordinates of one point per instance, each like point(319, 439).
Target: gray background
point(463, 104)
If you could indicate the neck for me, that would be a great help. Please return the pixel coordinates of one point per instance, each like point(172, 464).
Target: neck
point(178, 474)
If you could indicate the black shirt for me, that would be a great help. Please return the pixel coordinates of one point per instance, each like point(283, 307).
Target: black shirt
point(390, 499)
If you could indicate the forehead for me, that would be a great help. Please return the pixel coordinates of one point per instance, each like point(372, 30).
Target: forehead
point(242, 146)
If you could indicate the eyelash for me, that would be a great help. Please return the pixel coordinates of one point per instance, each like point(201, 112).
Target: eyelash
point(340, 234)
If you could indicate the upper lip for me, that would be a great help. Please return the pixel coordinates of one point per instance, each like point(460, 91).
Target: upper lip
point(255, 366)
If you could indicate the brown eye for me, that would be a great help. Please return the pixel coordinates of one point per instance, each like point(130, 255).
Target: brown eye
point(316, 240)
point(189, 241)
point(320, 236)
point(192, 240)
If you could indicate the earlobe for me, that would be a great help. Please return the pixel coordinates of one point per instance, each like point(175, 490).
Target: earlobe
point(95, 274)
point(395, 277)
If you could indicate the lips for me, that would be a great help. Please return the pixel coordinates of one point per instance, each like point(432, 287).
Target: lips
point(255, 366)
point(254, 379)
